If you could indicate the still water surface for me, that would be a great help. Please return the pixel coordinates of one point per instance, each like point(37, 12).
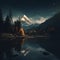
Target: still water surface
point(30, 50)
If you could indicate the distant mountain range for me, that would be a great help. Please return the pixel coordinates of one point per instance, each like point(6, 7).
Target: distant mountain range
point(27, 23)
point(50, 25)
point(53, 21)
point(30, 21)
point(26, 20)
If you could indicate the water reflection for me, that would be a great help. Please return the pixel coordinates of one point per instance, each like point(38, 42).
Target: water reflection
point(24, 49)
point(7, 46)
point(19, 44)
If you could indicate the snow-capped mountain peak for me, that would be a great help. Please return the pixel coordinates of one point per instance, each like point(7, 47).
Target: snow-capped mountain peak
point(26, 19)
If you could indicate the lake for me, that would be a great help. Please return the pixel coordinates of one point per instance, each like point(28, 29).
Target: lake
point(26, 49)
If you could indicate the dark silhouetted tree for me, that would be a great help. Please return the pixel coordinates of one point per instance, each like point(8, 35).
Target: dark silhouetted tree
point(10, 16)
point(1, 18)
point(1, 22)
point(17, 25)
point(7, 25)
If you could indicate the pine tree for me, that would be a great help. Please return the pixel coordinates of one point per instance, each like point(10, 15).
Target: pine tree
point(1, 22)
point(1, 18)
point(17, 25)
point(10, 16)
point(7, 25)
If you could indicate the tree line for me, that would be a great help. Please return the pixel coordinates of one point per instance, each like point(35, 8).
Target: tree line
point(6, 25)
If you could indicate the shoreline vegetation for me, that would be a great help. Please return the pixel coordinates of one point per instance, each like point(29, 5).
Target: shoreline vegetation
point(7, 26)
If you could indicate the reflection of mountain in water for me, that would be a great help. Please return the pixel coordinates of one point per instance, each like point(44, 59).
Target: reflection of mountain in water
point(35, 52)
point(52, 27)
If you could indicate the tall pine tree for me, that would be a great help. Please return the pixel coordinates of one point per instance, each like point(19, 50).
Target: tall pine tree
point(7, 25)
point(1, 22)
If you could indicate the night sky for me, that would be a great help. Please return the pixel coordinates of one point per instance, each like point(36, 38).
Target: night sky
point(31, 8)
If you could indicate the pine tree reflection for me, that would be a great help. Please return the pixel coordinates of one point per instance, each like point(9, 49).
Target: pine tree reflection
point(7, 46)
point(19, 44)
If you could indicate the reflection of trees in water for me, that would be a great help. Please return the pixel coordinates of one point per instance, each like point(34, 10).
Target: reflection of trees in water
point(7, 46)
point(19, 45)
